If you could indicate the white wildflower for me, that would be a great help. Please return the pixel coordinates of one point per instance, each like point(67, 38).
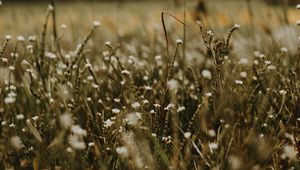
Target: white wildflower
point(237, 26)
point(238, 82)
point(243, 74)
point(11, 68)
point(50, 7)
point(20, 116)
point(211, 133)
point(284, 50)
point(66, 120)
point(180, 109)
point(179, 41)
point(172, 84)
point(77, 130)
point(108, 123)
point(116, 110)
point(96, 23)
point(122, 151)
point(187, 135)
point(21, 38)
point(282, 92)
point(8, 37)
point(76, 143)
point(206, 74)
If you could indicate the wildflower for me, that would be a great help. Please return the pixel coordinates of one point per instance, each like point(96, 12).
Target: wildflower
point(208, 94)
point(91, 144)
point(157, 105)
point(169, 107)
point(8, 37)
point(20, 38)
point(0, 3)
point(76, 143)
point(108, 123)
point(212, 146)
point(115, 110)
point(210, 33)
point(12, 125)
point(16, 142)
point(107, 43)
point(66, 120)
point(148, 88)
point(172, 84)
point(206, 74)
point(35, 118)
point(122, 151)
point(284, 50)
point(117, 100)
point(50, 55)
point(50, 7)
point(20, 116)
point(179, 41)
point(238, 82)
point(133, 118)
point(77, 130)
point(212, 133)
point(271, 67)
point(267, 62)
point(236, 26)
point(180, 109)
point(298, 6)
point(69, 149)
point(96, 24)
point(243, 74)
point(282, 92)
point(3, 123)
point(11, 68)
point(298, 22)
point(126, 72)
point(63, 26)
point(145, 101)
point(4, 60)
point(187, 135)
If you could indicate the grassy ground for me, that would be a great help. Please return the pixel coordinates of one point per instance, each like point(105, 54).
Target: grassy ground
point(115, 95)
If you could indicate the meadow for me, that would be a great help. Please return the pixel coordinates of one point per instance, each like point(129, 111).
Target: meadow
point(148, 85)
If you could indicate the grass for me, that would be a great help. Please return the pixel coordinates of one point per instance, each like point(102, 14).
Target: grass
point(115, 96)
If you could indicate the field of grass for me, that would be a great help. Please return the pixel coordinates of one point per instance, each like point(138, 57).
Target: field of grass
point(113, 86)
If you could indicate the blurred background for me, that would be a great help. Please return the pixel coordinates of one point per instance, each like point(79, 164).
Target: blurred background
point(127, 18)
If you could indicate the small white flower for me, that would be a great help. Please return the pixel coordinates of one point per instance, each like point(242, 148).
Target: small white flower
point(206, 74)
point(298, 6)
point(63, 26)
point(11, 68)
point(169, 107)
point(35, 118)
point(91, 144)
point(282, 92)
point(115, 110)
point(172, 84)
point(76, 143)
point(20, 38)
point(136, 105)
point(243, 74)
point(210, 33)
point(237, 26)
point(208, 94)
point(8, 37)
point(238, 82)
point(50, 7)
point(187, 135)
point(148, 88)
point(298, 22)
point(4, 60)
point(12, 125)
point(213, 146)
point(211, 133)
point(108, 123)
point(77, 130)
point(122, 151)
point(20, 116)
point(267, 62)
point(180, 109)
point(66, 120)
point(126, 72)
point(284, 50)
point(96, 23)
point(145, 101)
point(179, 41)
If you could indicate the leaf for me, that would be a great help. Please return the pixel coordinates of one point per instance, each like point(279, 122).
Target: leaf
point(34, 131)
